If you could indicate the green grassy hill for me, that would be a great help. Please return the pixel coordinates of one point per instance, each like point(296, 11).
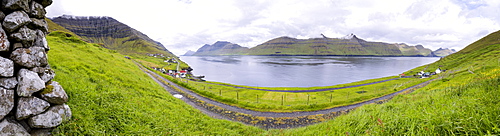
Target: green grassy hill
point(112, 34)
point(110, 95)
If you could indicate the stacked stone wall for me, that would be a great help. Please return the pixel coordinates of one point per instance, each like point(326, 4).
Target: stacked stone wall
point(30, 102)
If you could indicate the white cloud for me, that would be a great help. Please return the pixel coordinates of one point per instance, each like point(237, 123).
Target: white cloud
point(188, 24)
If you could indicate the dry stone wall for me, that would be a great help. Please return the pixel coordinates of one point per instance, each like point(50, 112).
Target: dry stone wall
point(30, 102)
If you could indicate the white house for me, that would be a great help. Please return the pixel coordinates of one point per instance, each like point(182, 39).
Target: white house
point(438, 71)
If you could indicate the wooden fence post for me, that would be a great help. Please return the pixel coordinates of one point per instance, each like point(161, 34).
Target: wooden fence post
point(282, 100)
point(257, 98)
point(307, 99)
point(331, 97)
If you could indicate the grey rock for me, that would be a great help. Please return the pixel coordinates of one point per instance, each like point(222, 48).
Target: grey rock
point(30, 106)
point(62, 110)
point(17, 45)
point(54, 93)
point(2, 16)
point(6, 67)
point(4, 41)
point(28, 83)
point(6, 101)
point(15, 20)
point(8, 82)
point(30, 57)
point(39, 24)
point(25, 36)
point(41, 132)
point(9, 127)
point(37, 10)
point(15, 5)
point(41, 41)
point(52, 117)
point(44, 3)
point(45, 73)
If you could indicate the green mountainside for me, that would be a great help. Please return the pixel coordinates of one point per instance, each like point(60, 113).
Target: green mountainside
point(110, 95)
point(111, 34)
point(347, 46)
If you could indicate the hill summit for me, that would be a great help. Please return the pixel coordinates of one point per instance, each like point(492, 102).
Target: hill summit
point(349, 45)
point(444, 52)
point(112, 34)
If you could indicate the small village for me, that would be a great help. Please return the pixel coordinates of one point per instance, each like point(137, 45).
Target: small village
point(423, 74)
point(177, 73)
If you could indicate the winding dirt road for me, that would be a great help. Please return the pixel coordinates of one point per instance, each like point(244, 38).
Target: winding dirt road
point(194, 99)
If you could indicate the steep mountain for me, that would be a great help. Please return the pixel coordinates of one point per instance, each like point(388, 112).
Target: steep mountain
point(349, 45)
point(189, 53)
point(112, 34)
point(221, 48)
point(443, 52)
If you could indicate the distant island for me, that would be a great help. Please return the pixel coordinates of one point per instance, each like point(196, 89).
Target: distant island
point(349, 45)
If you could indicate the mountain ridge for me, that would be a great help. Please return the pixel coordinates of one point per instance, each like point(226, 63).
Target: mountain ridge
point(444, 52)
point(349, 45)
point(111, 33)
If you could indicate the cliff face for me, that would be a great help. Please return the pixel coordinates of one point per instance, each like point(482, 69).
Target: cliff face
point(349, 45)
point(111, 34)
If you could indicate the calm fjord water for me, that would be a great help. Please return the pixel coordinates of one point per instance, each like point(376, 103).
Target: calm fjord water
point(299, 71)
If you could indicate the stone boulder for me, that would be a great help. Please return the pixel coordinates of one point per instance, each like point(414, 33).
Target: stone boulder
point(41, 41)
point(4, 42)
point(2, 15)
point(44, 3)
point(54, 93)
point(30, 57)
point(45, 73)
point(40, 24)
point(41, 132)
point(37, 11)
point(15, 20)
point(9, 83)
point(30, 106)
point(6, 101)
point(9, 127)
point(51, 118)
point(25, 35)
point(6, 67)
point(15, 5)
point(28, 83)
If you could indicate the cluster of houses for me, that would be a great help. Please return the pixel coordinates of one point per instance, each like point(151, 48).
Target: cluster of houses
point(423, 74)
point(156, 55)
point(182, 73)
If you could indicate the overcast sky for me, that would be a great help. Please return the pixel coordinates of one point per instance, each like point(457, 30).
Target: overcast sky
point(182, 25)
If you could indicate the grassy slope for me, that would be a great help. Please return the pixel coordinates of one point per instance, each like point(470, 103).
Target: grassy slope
point(111, 34)
point(462, 103)
point(305, 101)
point(109, 95)
point(55, 27)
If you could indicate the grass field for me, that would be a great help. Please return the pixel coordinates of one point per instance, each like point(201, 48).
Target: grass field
point(268, 101)
point(109, 95)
